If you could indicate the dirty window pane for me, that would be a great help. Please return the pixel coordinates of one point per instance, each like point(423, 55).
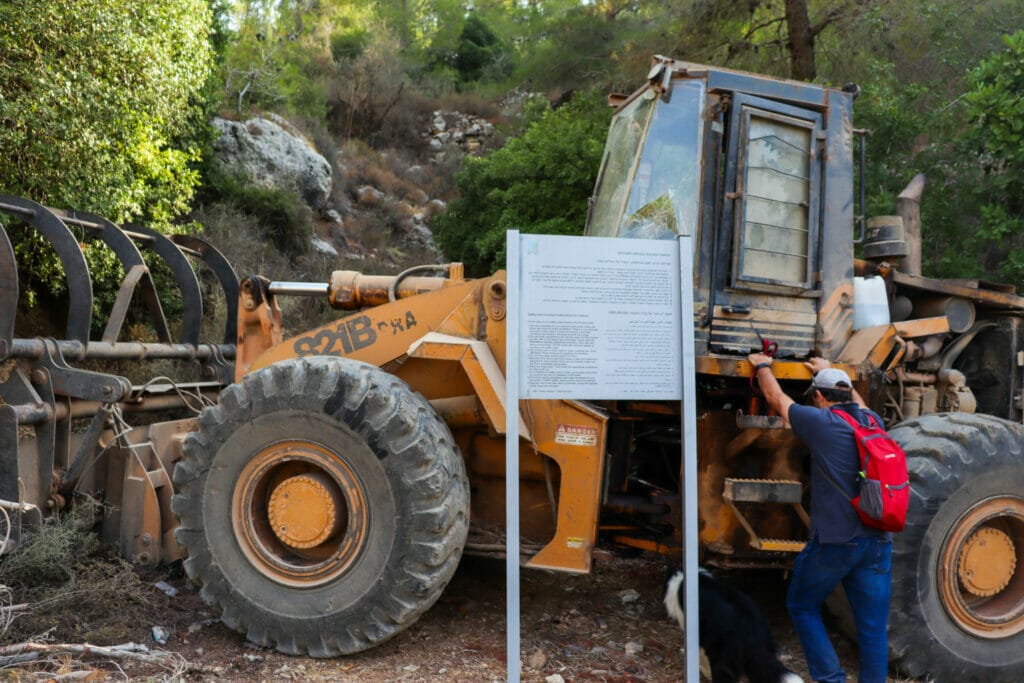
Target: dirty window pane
point(665, 197)
point(624, 138)
point(776, 197)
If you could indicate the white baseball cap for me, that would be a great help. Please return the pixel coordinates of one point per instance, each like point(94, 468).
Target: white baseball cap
point(829, 378)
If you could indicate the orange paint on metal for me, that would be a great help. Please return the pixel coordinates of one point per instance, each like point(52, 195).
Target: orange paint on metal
point(579, 491)
point(980, 581)
point(987, 562)
point(284, 542)
point(879, 346)
point(733, 366)
point(836, 320)
point(383, 334)
point(966, 289)
point(644, 544)
point(351, 290)
point(302, 511)
point(922, 327)
point(259, 325)
point(489, 388)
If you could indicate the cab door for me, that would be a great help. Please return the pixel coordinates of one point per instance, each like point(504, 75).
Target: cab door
point(769, 229)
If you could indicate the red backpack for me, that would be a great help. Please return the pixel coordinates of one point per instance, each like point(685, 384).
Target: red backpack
point(884, 484)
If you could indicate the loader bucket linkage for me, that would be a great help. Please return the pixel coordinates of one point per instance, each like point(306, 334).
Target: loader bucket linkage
point(44, 454)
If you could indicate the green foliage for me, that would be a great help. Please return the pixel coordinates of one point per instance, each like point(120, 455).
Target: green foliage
point(349, 44)
point(73, 588)
point(93, 94)
point(477, 49)
point(584, 46)
point(367, 87)
point(220, 30)
point(908, 125)
point(536, 183)
point(102, 110)
point(281, 217)
point(51, 553)
point(994, 105)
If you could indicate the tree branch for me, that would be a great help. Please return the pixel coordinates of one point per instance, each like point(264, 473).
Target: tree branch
point(173, 661)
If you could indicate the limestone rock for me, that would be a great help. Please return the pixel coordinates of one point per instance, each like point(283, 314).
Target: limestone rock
point(272, 154)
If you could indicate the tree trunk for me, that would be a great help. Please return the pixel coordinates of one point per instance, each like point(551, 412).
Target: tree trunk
point(801, 41)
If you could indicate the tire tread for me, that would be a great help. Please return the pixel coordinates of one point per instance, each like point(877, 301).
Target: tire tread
point(416, 449)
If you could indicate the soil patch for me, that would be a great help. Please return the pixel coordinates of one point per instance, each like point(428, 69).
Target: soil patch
point(608, 626)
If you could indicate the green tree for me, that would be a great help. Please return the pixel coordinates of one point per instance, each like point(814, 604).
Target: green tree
point(478, 48)
point(92, 95)
point(536, 183)
point(994, 104)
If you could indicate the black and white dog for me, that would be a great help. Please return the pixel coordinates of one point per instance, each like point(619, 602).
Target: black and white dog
point(734, 633)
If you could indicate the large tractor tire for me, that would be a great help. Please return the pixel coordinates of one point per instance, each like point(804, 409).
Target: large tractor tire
point(323, 506)
point(958, 567)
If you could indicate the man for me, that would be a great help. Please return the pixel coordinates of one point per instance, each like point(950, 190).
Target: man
point(841, 549)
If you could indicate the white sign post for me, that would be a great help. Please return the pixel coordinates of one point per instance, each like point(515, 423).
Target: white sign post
point(599, 319)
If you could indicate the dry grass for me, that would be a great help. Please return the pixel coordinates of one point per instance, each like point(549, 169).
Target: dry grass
point(469, 103)
point(77, 591)
point(232, 233)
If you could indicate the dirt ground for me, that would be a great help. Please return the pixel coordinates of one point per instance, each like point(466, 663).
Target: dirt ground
point(607, 626)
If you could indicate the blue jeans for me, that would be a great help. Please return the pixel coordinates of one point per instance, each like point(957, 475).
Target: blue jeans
point(864, 567)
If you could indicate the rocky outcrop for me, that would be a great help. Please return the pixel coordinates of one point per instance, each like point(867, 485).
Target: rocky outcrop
point(467, 132)
point(273, 154)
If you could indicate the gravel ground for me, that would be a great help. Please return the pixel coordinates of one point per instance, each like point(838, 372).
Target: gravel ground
point(607, 626)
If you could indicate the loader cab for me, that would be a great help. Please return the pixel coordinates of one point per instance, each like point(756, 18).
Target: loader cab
point(759, 172)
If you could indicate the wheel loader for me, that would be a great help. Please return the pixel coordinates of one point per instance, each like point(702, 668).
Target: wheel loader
point(322, 486)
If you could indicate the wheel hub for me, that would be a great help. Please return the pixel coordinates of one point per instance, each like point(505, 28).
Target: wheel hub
point(979, 581)
point(303, 511)
point(987, 562)
point(300, 513)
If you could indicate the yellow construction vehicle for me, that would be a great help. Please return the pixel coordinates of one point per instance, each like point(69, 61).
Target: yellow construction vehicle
point(325, 493)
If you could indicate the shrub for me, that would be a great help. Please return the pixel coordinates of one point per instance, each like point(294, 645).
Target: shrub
point(279, 216)
point(93, 95)
point(537, 183)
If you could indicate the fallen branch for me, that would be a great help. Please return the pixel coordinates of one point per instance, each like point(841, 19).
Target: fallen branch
point(18, 659)
point(8, 609)
point(11, 654)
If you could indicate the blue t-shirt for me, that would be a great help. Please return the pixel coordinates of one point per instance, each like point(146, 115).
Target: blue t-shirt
point(833, 448)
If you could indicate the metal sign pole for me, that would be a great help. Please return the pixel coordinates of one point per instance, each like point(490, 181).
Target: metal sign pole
point(691, 656)
point(513, 665)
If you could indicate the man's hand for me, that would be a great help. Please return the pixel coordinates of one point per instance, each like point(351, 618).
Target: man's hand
point(817, 364)
point(773, 393)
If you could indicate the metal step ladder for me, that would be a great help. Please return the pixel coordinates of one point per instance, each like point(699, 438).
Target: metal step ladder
point(778, 491)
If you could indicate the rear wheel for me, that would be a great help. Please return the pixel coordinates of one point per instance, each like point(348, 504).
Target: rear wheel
point(958, 567)
point(323, 506)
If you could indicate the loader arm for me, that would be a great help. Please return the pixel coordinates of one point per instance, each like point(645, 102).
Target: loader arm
point(446, 339)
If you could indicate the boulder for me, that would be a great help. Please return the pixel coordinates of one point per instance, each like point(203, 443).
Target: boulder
point(272, 154)
point(370, 196)
point(323, 246)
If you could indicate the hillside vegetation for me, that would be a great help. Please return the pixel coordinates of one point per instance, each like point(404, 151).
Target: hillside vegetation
point(107, 108)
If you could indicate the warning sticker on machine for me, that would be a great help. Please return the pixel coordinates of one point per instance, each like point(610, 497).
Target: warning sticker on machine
point(576, 435)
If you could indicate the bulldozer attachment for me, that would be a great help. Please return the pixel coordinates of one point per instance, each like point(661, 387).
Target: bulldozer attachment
point(61, 423)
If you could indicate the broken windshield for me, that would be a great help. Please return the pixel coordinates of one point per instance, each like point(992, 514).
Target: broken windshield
point(649, 182)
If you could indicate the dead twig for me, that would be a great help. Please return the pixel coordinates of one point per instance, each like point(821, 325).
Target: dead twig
point(171, 661)
point(84, 675)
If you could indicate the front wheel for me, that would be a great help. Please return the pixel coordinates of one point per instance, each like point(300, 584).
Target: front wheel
point(958, 567)
point(323, 506)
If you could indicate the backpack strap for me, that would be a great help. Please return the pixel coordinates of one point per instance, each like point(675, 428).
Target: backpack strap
point(832, 480)
point(852, 421)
